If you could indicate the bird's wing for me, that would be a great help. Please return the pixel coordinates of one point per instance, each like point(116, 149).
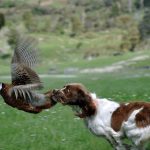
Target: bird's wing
point(25, 56)
point(24, 79)
point(25, 52)
point(22, 75)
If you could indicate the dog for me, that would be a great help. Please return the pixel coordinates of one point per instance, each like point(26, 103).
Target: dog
point(103, 117)
point(21, 93)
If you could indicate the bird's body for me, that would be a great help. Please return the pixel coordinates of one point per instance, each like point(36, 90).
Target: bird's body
point(25, 105)
point(21, 93)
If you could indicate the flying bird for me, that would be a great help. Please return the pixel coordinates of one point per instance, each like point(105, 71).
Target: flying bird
point(22, 92)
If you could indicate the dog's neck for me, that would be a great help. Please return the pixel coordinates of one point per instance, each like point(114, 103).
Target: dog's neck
point(89, 107)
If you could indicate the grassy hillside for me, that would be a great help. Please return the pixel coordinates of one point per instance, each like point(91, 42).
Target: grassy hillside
point(62, 52)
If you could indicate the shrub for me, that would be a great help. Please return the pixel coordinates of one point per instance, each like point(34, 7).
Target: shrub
point(130, 39)
point(38, 10)
point(13, 35)
point(29, 22)
point(7, 4)
point(76, 24)
point(115, 11)
point(124, 21)
point(2, 20)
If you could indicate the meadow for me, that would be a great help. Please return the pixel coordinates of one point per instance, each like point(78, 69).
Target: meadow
point(75, 36)
point(58, 128)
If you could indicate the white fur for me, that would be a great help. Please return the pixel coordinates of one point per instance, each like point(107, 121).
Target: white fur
point(100, 125)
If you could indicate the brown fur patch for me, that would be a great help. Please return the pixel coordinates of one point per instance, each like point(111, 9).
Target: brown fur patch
point(143, 117)
point(122, 114)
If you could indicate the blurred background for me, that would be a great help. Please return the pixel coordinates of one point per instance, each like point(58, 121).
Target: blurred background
point(104, 44)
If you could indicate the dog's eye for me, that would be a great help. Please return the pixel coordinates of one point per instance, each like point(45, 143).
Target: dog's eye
point(68, 90)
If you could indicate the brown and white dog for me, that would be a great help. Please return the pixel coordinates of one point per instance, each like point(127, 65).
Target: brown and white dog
point(107, 118)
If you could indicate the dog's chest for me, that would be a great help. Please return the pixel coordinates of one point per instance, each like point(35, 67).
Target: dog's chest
point(101, 121)
point(95, 126)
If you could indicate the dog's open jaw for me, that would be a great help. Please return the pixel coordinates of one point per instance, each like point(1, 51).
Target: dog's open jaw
point(59, 98)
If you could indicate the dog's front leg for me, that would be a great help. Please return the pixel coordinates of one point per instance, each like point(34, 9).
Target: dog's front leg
point(116, 139)
point(115, 142)
point(110, 140)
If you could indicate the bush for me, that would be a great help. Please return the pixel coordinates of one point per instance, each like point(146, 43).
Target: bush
point(76, 24)
point(35, 23)
point(130, 39)
point(7, 4)
point(124, 21)
point(2, 20)
point(38, 10)
point(29, 22)
point(13, 35)
point(115, 11)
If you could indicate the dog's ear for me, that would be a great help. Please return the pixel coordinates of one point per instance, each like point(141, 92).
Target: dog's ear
point(81, 92)
point(84, 97)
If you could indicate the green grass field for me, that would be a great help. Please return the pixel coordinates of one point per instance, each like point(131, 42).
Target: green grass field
point(58, 128)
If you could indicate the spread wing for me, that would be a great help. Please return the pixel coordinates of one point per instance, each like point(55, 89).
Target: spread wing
point(22, 75)
point(24, 79)
point(26, 52)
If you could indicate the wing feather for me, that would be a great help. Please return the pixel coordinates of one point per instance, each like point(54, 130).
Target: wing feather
point(26, 94)
point(26, 52)
point(25, 56)
point(25, 80)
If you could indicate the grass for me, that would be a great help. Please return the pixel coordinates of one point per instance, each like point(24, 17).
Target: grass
point(58, 128)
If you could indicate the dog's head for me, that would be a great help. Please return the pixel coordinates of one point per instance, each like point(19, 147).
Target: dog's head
point(74, 94)
point(71, 94)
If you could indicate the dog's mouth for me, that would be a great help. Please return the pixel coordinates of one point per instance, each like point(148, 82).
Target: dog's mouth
point(77, 110)
point(59, 99)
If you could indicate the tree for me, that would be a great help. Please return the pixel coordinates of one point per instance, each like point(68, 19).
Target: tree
point(139, 4)
point(2, 20)
point(144, 26)
point(147, 3)
point(130, 6)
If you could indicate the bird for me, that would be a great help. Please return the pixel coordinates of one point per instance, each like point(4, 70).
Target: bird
point(22, 93)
